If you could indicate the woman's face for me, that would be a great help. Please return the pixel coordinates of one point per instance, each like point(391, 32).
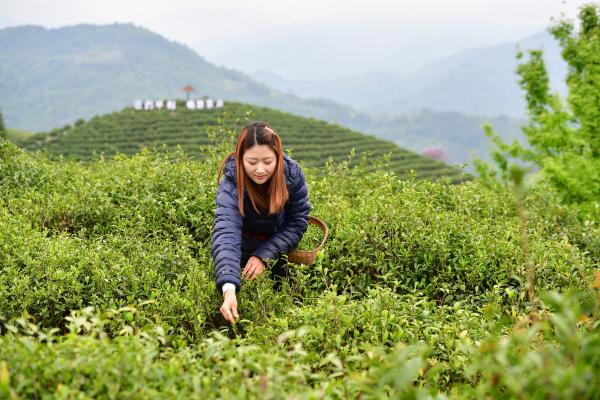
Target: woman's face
point(259, 163)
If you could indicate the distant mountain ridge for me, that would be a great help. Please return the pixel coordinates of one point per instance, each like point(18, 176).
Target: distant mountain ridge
point(50, 77)
point(481, 81)
point(477, 81)
point(328, 49)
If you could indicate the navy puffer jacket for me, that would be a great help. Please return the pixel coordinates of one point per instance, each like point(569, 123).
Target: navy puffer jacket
point(284, 230)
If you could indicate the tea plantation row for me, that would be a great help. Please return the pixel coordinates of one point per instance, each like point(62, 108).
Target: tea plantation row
point(310, 140)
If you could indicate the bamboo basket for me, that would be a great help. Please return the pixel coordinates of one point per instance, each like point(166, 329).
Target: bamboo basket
point(307, 257)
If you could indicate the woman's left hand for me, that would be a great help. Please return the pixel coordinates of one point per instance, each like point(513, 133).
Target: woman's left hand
point(254, 267)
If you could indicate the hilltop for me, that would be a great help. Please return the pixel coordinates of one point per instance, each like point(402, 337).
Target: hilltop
point(308, 139)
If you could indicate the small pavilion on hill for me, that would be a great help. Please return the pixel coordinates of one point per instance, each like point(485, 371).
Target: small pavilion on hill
point(187, 89)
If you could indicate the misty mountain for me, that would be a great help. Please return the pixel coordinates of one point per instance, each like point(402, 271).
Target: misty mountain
point(51, 77)
point(330, 50)
point(479, 81)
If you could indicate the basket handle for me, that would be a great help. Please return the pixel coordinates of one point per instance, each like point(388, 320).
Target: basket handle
point(323, 226)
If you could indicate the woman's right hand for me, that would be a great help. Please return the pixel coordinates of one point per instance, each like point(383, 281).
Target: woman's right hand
point(229, 307)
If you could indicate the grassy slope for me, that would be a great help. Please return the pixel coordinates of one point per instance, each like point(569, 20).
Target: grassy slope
point(307, 139)
point(17, 134)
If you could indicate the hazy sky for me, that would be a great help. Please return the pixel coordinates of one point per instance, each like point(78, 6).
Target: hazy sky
point(188, 21)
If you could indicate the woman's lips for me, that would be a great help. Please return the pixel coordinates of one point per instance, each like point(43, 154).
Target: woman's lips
point(261, 177)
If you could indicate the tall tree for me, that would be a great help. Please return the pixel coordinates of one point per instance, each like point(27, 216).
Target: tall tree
point(563, 135)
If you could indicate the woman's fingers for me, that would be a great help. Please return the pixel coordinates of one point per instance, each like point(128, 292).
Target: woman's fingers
point(226, 313)
point(229, 308)
point(256, 272)
point(252, 273)
point(230, 313)
point(248, 268)
point(253, 268)
point(248, 271)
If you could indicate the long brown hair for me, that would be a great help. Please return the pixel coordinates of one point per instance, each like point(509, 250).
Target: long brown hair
point(276, 195)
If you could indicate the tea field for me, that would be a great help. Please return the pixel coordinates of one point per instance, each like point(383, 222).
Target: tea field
point(106, 288)
point(307, 139)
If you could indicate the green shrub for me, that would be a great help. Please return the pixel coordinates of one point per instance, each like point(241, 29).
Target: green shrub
point(450, 241)
point(414, 277)
point(86, 363)
point(556, 356)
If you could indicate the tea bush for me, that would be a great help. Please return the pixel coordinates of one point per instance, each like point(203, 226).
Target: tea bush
point(415, 277)
point(555, 357)
point(449, 241)
point(312, 141)
point(142, 365)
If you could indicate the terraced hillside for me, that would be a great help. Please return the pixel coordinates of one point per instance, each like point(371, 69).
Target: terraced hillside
point(310, 140)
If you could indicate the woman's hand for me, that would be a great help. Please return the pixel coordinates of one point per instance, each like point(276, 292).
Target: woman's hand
point(229, 307)
point(254, 267)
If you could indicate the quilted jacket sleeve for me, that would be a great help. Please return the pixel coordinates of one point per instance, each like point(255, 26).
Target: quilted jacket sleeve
point(296, 221)
point(227, 235)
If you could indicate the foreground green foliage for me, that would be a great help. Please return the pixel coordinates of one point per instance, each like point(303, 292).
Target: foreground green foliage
point(106, 289)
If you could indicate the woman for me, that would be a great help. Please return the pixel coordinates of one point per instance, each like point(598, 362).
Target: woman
point(262, 211)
